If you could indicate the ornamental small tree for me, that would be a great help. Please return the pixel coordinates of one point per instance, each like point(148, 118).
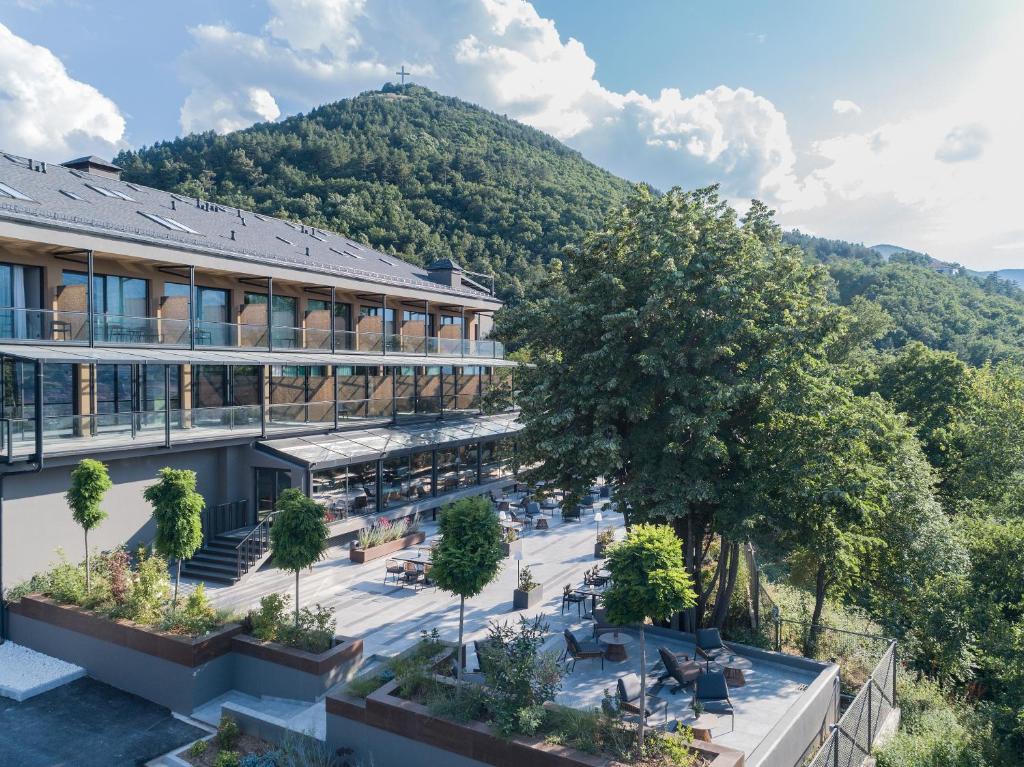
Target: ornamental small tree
point(177, 511)
point(298, 536)
point(468, 556)
point(648, 581)
point(89, 483)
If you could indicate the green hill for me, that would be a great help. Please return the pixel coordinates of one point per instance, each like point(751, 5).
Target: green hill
point(426, 176)
point(406, 170)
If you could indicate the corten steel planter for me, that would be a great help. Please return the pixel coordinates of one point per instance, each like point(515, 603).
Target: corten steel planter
point(276, 670)
point(395, 730)
point(523, 600)
point(361, 556)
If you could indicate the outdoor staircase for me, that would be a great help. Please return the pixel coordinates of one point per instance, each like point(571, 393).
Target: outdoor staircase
point(230, 549)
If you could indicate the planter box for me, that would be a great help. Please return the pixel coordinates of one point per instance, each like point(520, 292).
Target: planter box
point(512, 548)
point(599, 550)
point(275, 670)
point(523, 600)
point(376, 552)
point(178, 672)
point(397, 732)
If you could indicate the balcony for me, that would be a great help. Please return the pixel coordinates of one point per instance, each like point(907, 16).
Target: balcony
point(63, 435)
point(48, 326)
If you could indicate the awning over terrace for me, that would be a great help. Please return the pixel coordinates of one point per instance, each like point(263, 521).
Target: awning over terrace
point(163, 356)
point(325, 451)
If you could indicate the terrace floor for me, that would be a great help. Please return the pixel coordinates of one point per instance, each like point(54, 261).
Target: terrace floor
point(390, 618)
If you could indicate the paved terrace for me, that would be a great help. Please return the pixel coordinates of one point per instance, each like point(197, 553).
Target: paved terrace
point(390, 618)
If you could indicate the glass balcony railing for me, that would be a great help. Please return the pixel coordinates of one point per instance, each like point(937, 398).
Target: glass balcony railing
point(48, 326)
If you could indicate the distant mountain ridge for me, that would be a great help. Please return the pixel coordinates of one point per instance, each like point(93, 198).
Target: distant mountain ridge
point(426, 176)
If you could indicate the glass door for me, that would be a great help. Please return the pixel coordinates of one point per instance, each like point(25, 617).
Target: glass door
point(270, 483)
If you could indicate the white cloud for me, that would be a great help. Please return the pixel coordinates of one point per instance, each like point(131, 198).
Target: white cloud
point(503, 55)
point(204, 109)
point(44, 110)
point(845, 107)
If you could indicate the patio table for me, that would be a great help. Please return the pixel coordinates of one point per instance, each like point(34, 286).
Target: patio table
point(734, 666)
point(590, 591)
point(700, 725)
point(616, 642)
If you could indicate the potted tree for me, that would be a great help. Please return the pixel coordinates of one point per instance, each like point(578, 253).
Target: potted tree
point(298, 537)
point(89, 483)
point(468, 555)
point(510, 542)
point(177, 511)
point(605, 538)
point(529, 593)
point(648, 581)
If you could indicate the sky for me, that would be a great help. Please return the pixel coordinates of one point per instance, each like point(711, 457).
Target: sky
point(867, 121)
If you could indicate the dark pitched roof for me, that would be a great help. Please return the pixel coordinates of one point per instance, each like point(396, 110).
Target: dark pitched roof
point(73, 199)
point(93, 160)
point(444, 263)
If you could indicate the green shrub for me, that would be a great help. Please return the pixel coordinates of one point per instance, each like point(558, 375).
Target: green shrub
point(227, 759)
point(267, 621)
point(150, 590)
point(465, 705)
point(198, 748)
point(385, 530)
point(228, 733)
point(195, 618)
point(66, 582)
point(362, 686)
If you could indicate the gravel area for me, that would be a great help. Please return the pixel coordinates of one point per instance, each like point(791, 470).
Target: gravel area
point(25, 672)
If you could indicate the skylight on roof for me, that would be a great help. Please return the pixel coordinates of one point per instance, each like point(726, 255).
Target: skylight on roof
point(110, 192)
point(385, 261)
point(72, 195)
point(345, 253)
point(169, 223)
point(286, 242)
point(10, 191)
point(132, 187)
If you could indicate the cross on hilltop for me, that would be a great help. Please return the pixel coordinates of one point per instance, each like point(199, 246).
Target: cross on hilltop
point(403, 74)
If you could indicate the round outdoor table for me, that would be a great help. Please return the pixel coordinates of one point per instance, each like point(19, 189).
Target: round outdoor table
point(616, 645)
point(734, 666)
point(700, 725)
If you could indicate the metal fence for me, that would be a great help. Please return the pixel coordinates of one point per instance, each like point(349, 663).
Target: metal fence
point(853, 736)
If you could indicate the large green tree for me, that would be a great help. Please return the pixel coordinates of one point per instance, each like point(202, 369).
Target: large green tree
point(666, 339)
point(468, 556)
point(89, 483)
point(648, 581)
point(298, 535)
point(177, 510)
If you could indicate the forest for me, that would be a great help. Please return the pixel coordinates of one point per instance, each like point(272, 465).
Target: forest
point(859, 419)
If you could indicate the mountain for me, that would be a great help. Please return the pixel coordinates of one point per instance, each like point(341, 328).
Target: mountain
point(405, 170)
point(426, 176)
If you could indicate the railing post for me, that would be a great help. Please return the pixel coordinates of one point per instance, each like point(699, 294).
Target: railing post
point(894, 675)
point(89, 297)
point(40, 372)
point(191, 307)
point(384, 323)
point(270, 313)
point(263, 401)
point(871, 684)
point(334, 344)
point(167, 405)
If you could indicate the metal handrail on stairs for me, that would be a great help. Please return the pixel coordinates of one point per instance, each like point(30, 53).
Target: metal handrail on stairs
point(253, 546)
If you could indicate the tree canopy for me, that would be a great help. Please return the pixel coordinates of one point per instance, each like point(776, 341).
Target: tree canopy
point(177, 511)
point(89, 483)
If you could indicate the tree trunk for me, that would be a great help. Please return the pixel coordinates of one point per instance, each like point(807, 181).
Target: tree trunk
point(177, 580)
point(461, 653)
point(88, 567)
point(819, 605)
point(296, 598)
point(698, 527)
point(726, 586)
point(643, 695)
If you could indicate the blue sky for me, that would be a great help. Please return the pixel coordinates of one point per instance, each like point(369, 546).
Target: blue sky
point(870, 121)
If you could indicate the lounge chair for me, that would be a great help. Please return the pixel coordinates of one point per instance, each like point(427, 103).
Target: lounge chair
point(575, 650)
point(710, 646)
point(712, 691)
point(628, 694)
point(675, 670)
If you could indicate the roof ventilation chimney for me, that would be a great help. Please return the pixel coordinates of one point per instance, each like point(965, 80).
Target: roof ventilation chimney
point(232, 234)
point(307, 250)
point(445, 272)
point(95, 165)
point(243, 220)
point(172, 204)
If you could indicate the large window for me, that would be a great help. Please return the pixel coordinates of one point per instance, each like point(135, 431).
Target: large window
point(114, 389)
point(115, 295)
point(378, 316)
point(347, 490)
point(407, 479)
point(21, 297)
point(212, 313)
point(60, 390)
point(283, 318)
point(496, 460)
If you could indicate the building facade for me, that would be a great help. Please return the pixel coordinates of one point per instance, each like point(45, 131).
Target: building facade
point(147, 329)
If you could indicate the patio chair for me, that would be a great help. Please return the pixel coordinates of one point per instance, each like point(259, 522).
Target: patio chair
point(569, 514)
point(601, 624)
point(577, 651)
point(532, 509)
point(709, 645)
point(674, 669)
point(606, 492)
point(393, 568)
point(712, 691)
point(627, 690)
point(521, 519)
point(411, 575)
point(570, 598)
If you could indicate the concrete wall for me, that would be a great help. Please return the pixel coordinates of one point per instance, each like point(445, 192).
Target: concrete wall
point(385, 749)
point(37, 520)
point(170, 684)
